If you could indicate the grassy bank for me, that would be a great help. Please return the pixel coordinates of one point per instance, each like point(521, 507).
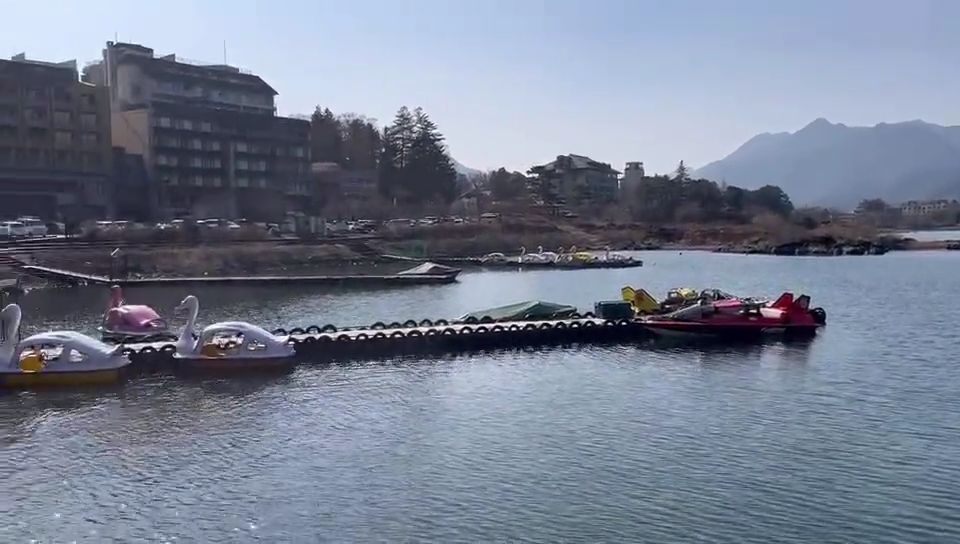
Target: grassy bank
point(256, 258)
point(509, 235)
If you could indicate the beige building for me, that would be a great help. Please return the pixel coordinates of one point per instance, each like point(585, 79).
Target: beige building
point(211, 141)
point(928, 207)
point(55, 143)
point(576, 180)
point(633, 174)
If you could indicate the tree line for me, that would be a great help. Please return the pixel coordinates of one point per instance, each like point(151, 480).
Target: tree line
point(660, 198)
point(680, 198)
point(409, 155)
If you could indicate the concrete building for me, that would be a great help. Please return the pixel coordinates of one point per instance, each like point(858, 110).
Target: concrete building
point(633, 174)
point(55, 156)
point(343, 192)
point(915, 208)
point(577, 180)
point(211, 141)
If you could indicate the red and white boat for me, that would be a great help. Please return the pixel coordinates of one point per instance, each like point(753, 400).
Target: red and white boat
point(737, 319)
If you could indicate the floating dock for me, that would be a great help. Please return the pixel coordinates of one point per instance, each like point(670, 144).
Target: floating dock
point(328, 343)
point(514, 262)
point(76, 278)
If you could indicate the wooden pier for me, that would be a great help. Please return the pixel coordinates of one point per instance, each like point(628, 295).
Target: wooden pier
point(77, 278)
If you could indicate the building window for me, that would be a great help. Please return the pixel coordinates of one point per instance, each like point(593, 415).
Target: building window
point(35, 115)
point(88, 100)
point(62, 138)
point(195, 143)
point(62, 118)
point(243, 182)
point(62, 95)
point(242, 164)
point(90, 138)
point(186, 124)
point(217, 181)
point(164, 122)
point(206, 126)
point(298, 151)
point(215, 145)
point(37, 94)
point(196, 162)
point(242, 147)
point(88, 120)
point(198, 180)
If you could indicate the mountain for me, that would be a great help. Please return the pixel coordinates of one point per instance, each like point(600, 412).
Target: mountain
point(465, 170)
point(831, 164)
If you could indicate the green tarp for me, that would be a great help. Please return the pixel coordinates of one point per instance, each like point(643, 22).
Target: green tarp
point(530, 310)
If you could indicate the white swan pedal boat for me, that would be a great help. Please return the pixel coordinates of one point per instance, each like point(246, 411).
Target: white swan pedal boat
point(56, 358)
point(230, 346)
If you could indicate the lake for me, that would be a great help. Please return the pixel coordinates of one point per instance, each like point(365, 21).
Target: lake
point(852, 437)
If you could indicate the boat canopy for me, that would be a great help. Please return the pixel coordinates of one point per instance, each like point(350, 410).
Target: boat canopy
point(430, 269)
point(530, 310)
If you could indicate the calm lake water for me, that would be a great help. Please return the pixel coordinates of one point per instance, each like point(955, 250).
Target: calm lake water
point(854, 437)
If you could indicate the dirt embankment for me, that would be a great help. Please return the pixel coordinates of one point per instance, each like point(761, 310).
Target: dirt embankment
point(235, 260)
point(509, 235)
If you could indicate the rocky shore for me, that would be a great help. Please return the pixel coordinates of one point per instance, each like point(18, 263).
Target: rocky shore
point(821, 246)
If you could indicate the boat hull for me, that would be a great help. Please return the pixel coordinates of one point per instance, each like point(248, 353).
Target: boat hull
point(693, 330)
point(227, 365)
point(53, 378)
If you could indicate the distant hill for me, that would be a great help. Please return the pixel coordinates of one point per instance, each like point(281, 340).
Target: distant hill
point(835, 165)
point(465, 170)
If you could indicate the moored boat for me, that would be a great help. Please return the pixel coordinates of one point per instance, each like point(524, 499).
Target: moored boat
point(56, 358)
point(735, 319)
point(132, 322)
point(231, 346)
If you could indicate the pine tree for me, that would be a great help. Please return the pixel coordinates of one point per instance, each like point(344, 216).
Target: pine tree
point(389, 175)
point(682, 173)
point(326, 143)
point(431, 171)
point(400, 136)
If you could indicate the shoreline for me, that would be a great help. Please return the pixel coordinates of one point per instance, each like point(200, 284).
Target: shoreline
point(368, 256)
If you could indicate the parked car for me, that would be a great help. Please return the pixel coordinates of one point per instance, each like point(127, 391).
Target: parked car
point(33, 225)
point(489, 217)
point(12, 229)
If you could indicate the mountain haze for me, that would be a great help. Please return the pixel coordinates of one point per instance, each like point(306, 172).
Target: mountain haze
point(832, 164)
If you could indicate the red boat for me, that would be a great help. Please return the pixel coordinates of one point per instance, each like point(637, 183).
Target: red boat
point(736, 319)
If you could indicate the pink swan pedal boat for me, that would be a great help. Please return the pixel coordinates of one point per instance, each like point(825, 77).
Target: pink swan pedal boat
point(132, 322)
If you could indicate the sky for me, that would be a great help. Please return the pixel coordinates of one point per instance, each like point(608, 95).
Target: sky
point(515, 83)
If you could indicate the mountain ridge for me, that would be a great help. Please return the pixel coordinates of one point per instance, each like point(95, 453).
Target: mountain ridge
point(832, 164)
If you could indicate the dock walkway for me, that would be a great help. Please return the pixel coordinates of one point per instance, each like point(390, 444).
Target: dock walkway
point(77, 278)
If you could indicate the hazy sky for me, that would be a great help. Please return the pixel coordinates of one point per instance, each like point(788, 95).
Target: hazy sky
point(517, 82)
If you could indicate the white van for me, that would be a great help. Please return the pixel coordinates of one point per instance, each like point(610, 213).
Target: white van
point(12, 229)
point(33, 226)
